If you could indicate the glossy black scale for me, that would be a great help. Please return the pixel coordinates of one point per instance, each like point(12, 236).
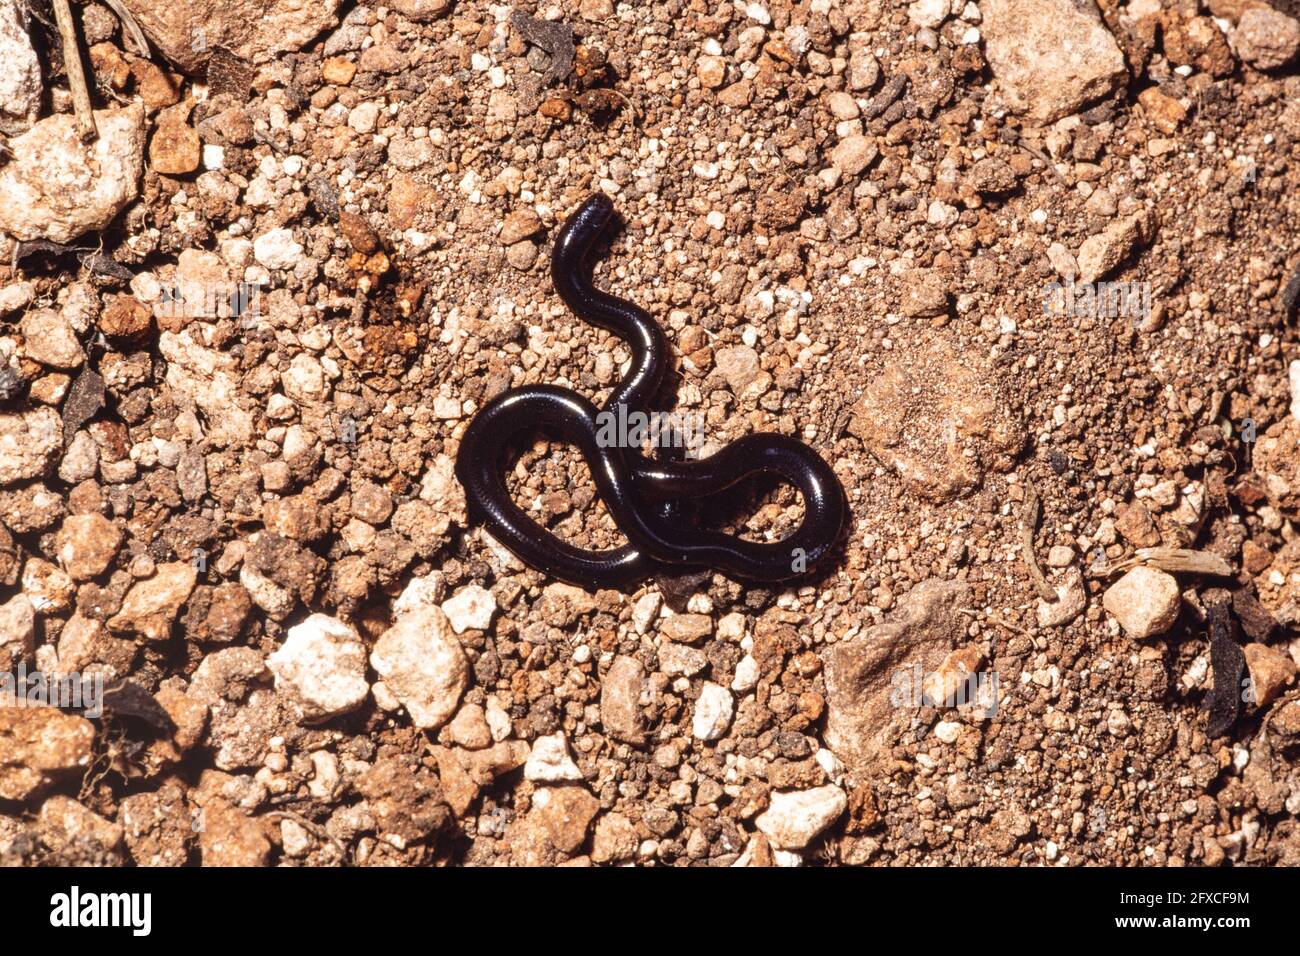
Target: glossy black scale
point(646, 497)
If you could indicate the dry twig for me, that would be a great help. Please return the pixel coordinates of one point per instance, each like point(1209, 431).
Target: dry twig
point(1028, 522)
point(76, 75)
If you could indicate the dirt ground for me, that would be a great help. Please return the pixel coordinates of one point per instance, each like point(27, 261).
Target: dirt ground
point(862, 223)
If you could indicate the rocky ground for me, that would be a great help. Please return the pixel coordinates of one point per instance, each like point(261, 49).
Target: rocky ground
point(242, 330)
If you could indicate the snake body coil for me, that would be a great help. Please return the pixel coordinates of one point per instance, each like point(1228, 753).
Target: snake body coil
point(641, 494)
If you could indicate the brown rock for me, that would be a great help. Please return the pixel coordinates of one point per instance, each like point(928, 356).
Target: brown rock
point(407, 803)
point(556, 108)
point(186, 31)
point(686, 628)
point(620, 707)
point(175, 149)
point(17, 632)
point(464, 773)
point(63, 823)
point(1267, 39)
point(1135, 524)
point(158, 826)
point(126, 319)
point(154, 85)
point(230, 837)
point(39, 745)
point(1270, 671)
point(151, 605)
point(615, 839)
point(1277, 461)
point(865, 708)
point(938, 419)
point(1165, 112)
point(565, 813)
point(469, 728)
point(1050, 56)
point(86, 545)
point(338, 71)
point(711, 70)
point(1197, 42)
point(519, 225)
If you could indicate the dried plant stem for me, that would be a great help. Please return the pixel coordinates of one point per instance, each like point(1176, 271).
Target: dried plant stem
point(76, 75)
point(1028, 522)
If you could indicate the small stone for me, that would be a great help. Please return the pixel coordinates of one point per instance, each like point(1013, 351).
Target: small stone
point(615, 839)
point(1060, 556)
point(15, 296)
point(277, 249)
point(1050, 56)
point(175, 149)
point(711, 70)
point(338, 71)
point(792, 820)
point(948, 731)
point(49, 338)
point(48, 588)
point(323, 662)
point(682, 660)
point(421, 11)
point(520, 224)
point(29, 441)
point(229, 837)
point(86, 544)
point(17, 632)
point(1071, 599)
point(423, 665)
point(154, 85)
point(1270, 671)
point(620, 700)
point(1102, 253)
point(646, 610)
point(853, 154)
point(686, 628)
point(1062, 261)
point(746, 676)
point(713, 712)
point(970, 419)
point(470, 607)
point(1165, 112)
point(151, 605)
point(565, 813)
point(924, 294)
point(1145, 601)
point(469, 728)
point(928, 13)
point(549, 761)
point(125, 319)
point(56, 187)
point(739, 366)
point(596, 10)
point(556, 108)
point(1134, 522)
point(20, 72)
point(38, 745)
point(1267, 39)
point(522, 255)
point(65, 824)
